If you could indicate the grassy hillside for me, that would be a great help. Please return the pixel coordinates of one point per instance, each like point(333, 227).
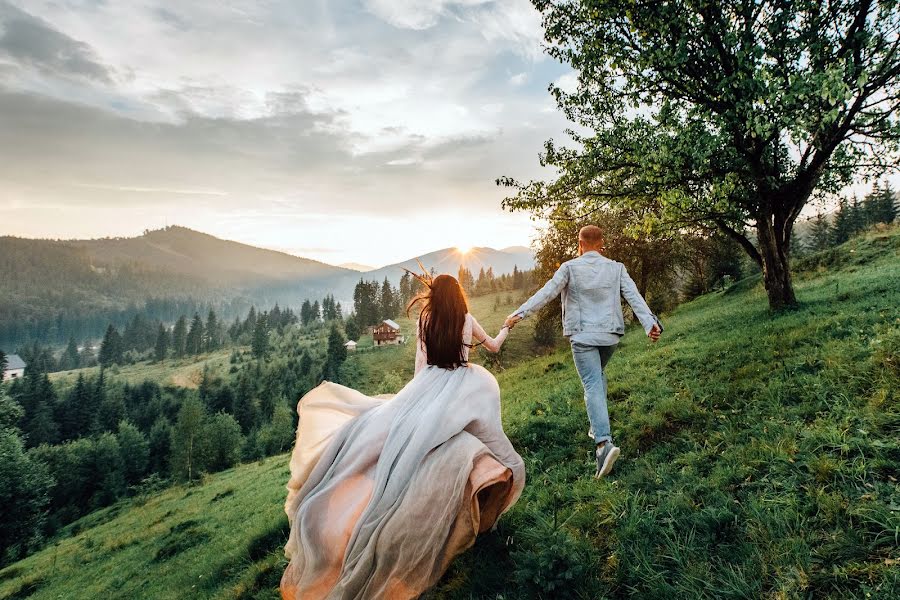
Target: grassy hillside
point(760, 459)
point(181, 372)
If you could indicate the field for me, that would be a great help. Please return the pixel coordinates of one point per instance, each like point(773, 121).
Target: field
point(182, 372)
point(760, 460)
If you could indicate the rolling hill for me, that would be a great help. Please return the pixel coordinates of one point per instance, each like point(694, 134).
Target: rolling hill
point(760, 459)
point(199, 255)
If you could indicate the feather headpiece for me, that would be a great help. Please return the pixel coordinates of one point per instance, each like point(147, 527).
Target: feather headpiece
point(425, 277)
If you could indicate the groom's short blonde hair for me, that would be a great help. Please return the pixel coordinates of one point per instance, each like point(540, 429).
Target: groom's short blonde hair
point(591, 235)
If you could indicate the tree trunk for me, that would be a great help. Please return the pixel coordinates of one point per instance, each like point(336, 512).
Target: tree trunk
point(774, 248)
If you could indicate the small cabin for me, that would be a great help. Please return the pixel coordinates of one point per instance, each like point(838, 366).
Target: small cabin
point(350, 346)
point(15, 368)
point(387, 333)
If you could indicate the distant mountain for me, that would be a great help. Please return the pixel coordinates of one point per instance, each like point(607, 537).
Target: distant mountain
point(517, 250)
point(356, 267)
point(53, 289)
point(195, 254)
point(447, 260)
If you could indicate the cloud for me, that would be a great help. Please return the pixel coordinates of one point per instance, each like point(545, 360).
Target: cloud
point(416, 14)
point(258, 115)
point(31, 42)
point(519, 78)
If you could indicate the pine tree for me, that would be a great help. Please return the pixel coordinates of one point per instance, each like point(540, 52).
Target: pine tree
point(179, 337)
point(305, 313)
point(856, 219)
point(820, 234)
point(387, 307)
point(194, 340)
point(351, 328)
point(316, 312)
point(840, 231)
point(111, 348)
point(335, 355)
point(211, 337)
point(162, 343)
point(260, 344)
point(70, 358)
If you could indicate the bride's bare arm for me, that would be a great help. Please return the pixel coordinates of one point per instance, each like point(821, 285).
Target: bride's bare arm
point(492, 344)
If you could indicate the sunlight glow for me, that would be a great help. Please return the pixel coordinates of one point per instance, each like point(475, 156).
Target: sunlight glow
point(464, 249)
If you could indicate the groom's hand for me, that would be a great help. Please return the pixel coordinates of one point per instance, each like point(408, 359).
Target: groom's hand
point(654, 332)
point(511, 321)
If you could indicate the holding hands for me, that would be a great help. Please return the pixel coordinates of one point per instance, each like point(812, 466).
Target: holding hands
point(511, 321)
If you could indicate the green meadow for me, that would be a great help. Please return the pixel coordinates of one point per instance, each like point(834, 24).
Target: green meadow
point(760, 458)
point(182, 372)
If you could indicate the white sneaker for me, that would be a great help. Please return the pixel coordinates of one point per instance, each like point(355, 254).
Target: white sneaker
point(606, 458)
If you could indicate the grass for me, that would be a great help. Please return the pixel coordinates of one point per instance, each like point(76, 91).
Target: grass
point(182, 372)
point(760, 460)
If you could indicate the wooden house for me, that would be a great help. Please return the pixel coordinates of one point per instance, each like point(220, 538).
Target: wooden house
point(350, 346)
point(387, 333)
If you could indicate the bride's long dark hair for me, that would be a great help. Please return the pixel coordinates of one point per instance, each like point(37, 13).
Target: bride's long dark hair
point(444, 308)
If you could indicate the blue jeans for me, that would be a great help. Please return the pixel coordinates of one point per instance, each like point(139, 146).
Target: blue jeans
point(590, 361)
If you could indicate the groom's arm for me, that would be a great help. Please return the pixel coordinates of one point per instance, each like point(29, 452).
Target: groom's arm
point(636, 301)
point(543, 296)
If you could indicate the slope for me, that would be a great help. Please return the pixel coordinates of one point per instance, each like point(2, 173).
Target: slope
point(760, 458)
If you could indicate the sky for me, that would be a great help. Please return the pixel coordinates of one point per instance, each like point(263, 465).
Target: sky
point(339, 130)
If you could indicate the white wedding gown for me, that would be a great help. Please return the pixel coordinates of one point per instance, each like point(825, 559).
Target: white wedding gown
point(385, 492)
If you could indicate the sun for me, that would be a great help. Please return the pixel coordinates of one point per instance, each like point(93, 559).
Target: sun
point(464, 249)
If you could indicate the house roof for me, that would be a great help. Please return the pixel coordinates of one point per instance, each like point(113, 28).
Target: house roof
point(14, 361)
point(392, 324)
point(350, 343)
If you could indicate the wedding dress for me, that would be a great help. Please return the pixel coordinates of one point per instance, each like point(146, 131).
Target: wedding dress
point(386, 491)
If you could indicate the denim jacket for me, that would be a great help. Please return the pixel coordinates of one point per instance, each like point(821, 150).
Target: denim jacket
point(591, 287)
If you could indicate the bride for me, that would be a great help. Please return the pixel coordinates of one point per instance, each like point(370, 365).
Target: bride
point(385, 492)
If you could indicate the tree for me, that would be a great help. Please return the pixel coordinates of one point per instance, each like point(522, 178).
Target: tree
point(162, 343)
point(222, 440)
point(135, 452)
point(387, 305)
point(305, 313)
point(879, 205)
point(728, 115)
point(841, 229)
point(194, 341)
point(351, 328)
point(160, 442)
point(335, 355)
point(109, 470)
point(186, 452)
point(260, 344)
point(24, 486)
point(212, 335)
point(70, 358)
point(279, 434)
point(111, 348)
point(3, 362)
point(179, 337)
point(820, 233)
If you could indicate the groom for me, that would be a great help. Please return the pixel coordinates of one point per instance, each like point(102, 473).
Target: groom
point(591, 286)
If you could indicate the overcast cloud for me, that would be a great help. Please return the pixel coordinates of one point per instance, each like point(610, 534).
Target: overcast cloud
point(302, 125)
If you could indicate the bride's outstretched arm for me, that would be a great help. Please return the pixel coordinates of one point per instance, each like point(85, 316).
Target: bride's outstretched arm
point(492, 344)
